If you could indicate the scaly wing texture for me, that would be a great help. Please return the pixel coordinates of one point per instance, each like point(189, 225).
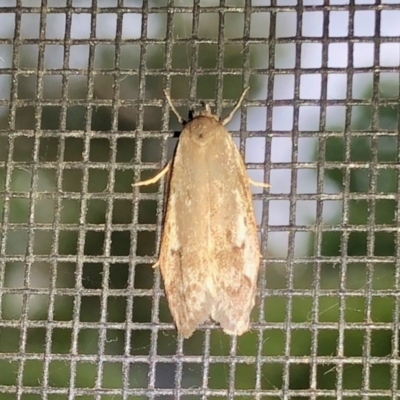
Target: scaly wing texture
point(183, 253)
point(209, 256)
point(235, 249)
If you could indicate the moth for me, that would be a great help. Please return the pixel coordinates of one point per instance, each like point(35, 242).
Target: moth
point(209, 254)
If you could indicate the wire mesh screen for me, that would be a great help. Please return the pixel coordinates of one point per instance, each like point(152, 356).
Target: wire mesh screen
point(82, 116)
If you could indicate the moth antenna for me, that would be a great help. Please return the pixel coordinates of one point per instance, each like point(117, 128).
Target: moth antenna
point(238, 104)
point(174, 110)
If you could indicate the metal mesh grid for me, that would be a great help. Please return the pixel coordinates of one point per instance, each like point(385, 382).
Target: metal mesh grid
point(83, 315)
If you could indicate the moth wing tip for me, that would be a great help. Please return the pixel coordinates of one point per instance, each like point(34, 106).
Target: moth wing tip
point(236, 332)
point(186, 333)
point(238, 329)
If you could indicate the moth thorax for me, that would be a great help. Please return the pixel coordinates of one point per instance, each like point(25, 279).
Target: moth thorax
point(203, 128)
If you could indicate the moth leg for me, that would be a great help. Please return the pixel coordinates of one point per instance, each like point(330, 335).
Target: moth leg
point(155, 265)
point(155, 178)
point(229, 117)
point(174, 110)
point(260, 184)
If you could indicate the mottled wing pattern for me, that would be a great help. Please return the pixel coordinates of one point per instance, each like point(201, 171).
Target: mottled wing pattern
point(183, 253)
point(209, 256)
point(235, 252)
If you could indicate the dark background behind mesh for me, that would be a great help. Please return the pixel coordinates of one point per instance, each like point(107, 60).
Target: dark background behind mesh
point(82, 116)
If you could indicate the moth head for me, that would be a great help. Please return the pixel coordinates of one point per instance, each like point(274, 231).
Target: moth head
point(206, 113)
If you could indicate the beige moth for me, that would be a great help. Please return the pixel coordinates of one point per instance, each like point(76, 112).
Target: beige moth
point(209, 254)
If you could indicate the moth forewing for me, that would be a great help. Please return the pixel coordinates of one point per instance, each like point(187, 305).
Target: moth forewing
point(209, 254)
point(236, 254)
